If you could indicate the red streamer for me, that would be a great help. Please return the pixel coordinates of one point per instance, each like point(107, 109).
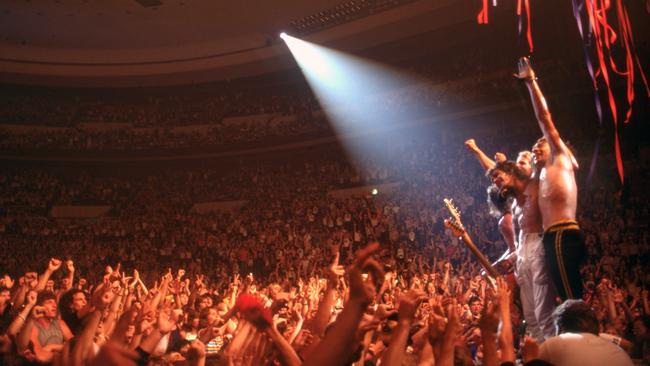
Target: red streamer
point(529, 35)
point(482, 17)
point(605, 37)
point(602, 37)
point(597, 20)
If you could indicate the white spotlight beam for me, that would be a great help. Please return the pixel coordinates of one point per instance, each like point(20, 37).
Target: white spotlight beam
point(358, 95)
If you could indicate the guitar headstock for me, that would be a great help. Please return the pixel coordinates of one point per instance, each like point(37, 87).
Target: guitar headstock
point(454, 222)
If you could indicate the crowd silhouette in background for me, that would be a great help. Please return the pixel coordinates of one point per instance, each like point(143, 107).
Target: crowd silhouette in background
point(151, 120)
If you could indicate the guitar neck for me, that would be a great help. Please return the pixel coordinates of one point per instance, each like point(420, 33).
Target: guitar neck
point(481, 258)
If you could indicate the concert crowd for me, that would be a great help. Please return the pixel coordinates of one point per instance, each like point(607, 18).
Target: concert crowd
point(299, 272)
point(155, 283)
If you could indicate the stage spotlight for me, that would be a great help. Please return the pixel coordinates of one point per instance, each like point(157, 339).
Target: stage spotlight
point(363, 99)
point(283, 35)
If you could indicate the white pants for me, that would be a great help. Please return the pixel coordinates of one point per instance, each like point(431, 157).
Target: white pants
point(535, 286)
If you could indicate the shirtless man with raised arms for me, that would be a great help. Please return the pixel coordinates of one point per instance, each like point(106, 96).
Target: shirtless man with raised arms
point(558, 195)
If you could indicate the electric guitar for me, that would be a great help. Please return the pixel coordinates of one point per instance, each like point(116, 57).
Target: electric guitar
point(456, 226)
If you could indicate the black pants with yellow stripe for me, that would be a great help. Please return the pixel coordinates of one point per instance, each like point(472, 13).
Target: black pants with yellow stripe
point(565, 252)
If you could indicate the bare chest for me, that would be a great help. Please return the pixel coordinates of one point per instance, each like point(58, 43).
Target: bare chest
point(528, 209)
point(555, 184)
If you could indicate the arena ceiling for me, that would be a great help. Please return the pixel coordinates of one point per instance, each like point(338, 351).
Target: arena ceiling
point(142, 24)
point(167, 42)
point(143, 42)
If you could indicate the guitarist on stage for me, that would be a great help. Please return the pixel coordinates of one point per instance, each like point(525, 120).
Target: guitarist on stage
point(501, 208)
point(535, 286)
point(514, 181)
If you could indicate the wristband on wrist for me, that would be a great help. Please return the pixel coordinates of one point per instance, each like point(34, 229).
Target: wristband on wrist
point(529, 78)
